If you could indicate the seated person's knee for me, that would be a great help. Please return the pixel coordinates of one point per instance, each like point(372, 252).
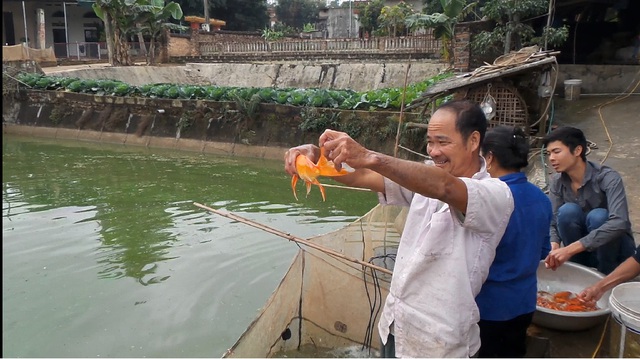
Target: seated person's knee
point(596, 218)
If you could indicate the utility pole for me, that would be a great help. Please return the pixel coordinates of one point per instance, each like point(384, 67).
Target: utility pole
point(206, 15)
point(350, 15)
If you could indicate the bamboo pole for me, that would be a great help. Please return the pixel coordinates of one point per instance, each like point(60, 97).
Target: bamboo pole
point(290, 237)
point(404, 91)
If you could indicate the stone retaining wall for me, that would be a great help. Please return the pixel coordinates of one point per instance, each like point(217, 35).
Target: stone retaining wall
point(206, 126)
point(354, 75)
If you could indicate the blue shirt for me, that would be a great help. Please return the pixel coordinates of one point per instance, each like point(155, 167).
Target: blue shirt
point(511, 287)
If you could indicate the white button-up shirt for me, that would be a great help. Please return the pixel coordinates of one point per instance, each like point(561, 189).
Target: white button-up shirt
point(442, 261)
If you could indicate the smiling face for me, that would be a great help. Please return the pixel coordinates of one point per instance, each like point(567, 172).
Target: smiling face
point(448, 149)
point(561, 158)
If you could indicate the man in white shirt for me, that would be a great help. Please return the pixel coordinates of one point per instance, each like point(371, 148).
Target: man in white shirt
point(457, 215)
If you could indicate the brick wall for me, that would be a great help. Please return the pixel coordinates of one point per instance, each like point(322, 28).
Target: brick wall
point(461, 48)
point(180, 45)
point(465, 59)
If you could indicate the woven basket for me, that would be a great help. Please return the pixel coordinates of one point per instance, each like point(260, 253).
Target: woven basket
point(511, 109)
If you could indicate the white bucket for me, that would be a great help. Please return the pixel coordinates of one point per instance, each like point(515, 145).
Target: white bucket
point(624, 303)
point(572, 89)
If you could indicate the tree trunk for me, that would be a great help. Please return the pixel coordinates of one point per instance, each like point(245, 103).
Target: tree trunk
point(517, 39)
point(143, 47)
point(507, 40)
point(152, 52)
point(109, 37)
point(121, 49)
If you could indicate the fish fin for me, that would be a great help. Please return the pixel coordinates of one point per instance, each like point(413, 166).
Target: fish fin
point(322, 192)
point(294, 181)
point(330, 171)
point(328, 168)
point(317, 183)
point(308, 188)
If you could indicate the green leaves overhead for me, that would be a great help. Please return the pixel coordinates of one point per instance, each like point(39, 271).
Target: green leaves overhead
point(389, 98)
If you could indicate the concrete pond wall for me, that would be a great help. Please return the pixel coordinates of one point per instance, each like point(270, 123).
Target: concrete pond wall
point(230, 128)
point(354, 75)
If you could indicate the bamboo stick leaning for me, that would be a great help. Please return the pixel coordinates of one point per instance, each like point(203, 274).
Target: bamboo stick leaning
point(293, 238)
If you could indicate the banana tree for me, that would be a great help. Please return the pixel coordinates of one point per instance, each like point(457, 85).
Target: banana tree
point(152, 19)
point(443, 24)
point(117, 22)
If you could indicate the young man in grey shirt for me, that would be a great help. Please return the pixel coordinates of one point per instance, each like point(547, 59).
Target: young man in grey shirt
point(591, 215)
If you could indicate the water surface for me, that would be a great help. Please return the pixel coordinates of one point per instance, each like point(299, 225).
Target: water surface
point(105, 255)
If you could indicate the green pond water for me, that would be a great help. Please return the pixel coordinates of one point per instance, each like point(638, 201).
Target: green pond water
point(105, 255)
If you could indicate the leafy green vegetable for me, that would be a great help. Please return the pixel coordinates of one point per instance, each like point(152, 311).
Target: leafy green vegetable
point(388, 98)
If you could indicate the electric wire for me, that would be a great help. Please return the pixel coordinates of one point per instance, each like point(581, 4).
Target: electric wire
point(618, 98)
point(604, 331)
point(376, 305)
point(368, 336)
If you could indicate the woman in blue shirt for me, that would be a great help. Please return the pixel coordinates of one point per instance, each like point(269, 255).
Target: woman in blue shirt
point(507, 300)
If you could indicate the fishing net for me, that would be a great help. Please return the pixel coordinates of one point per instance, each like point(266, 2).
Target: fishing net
point(324, 302)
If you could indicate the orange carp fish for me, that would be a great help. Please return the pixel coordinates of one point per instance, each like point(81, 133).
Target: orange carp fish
point(309, 172)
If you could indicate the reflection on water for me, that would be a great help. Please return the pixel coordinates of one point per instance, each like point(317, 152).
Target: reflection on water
point(104, 253)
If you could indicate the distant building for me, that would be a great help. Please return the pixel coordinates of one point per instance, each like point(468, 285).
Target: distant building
point(41, 24)
point(338, 22)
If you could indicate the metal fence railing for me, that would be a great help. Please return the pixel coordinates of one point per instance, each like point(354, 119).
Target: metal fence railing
point(92, 50)
point(416, 44)
point(423, 44)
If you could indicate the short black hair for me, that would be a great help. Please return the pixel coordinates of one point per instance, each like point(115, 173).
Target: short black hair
point(469, 117)
point(569, 136)
point(509, 146)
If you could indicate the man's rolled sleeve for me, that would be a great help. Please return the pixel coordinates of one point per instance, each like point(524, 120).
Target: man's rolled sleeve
point(395, 194)
point(489, 205)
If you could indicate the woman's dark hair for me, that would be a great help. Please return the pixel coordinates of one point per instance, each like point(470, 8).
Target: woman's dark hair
point(509, 147)
point(570, 137)
point(469, 117)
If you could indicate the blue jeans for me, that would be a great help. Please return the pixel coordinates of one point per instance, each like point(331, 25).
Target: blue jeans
point(573, 224)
